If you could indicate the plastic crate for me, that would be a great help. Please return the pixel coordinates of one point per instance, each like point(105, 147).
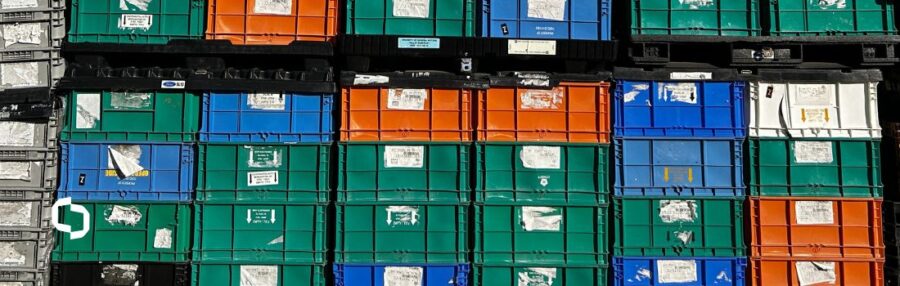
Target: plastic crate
point(258, 274)
point(24, 253)
point(539, 274)
point(32, 170)
point(830, 18)
point(32, 30)
point(679, 167)
point(260, 172)
point(693, 271)
point(132, 116)
point(126, 231)
point(401, 232)
point(815, 168)
point(413, 274)
point(25, 278)
point(272, 22)
point(267, 117)
point(29, 214)
point(696, 18)
point(541, 234)
point(658, 226)
point(138, 22)
point(27, 6)
point(127, 171)
point(36, 134)
point(403, 172)
point(30, 69)
point(120, 273)
point(447, 18)
point(574, 174)
point(259, 233)
point(816, 227)
point(577, 20)
point(784, 271)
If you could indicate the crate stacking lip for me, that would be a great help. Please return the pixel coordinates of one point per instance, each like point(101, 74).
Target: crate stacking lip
point(523, 172)
point(687, 271)
point(541, 234)
point(127, 171)
point(539, 274)
point(390, 274)
point(679, 227)
point(403, 171)
point(136, 22)
point(25, 251)
point(30, 69)
point(820, 18)
point(259, 233)
point(266, 117)
point(121, 273)
point(529, 19)
point(32, 30)
point(232, 274)
point(271, 22)
point(679, 167)
point(815, 271)
point(439, 18)
point(816, 227)
point(815, 168)
point(124, 231)
point(695, 18)
point(263, 172)
point(132, 116)
point(32, 169)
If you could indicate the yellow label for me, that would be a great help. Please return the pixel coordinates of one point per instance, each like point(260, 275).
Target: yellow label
point(678, 174)
point(113, 173)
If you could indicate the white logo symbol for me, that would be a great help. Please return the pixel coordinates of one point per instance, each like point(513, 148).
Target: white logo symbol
point(545, 180)
point(85, 216)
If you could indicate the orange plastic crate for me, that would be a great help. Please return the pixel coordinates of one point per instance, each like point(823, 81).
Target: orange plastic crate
point(816, 272)
point(272, 22)
point(816, 227)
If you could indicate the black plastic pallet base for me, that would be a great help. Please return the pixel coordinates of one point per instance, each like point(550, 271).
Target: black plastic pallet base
point(119, 273)
point(26, 95)
point(26, 111)
point(204, 47)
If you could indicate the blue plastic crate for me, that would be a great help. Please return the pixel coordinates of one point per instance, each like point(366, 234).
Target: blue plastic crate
point(374, 274)
point(678, 167)
point(680, 109)
point(692, 271)
point(100, 171)
point(575, 19)
point(247, 117)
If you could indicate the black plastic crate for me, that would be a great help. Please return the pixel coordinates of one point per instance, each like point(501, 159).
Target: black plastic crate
point(120, 273)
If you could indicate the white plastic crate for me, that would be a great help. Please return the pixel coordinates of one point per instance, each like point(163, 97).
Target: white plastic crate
point(35, 30)
point(24, 71)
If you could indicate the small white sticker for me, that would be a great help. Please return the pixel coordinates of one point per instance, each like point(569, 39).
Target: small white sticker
point(537, 276)
point(685, 92)
point(266, 101)
point(172, 84)
point(88, 110)
point(134, 5)
point(671, 211)
point(407, 99)
point(697, 4)
point(817, 152)
point(362, 79)
point(676, 271)
point(163, 238)
point(547, 9)
point(263, 156)
point(15, 213)
point(135, 21)
point(259, 275)
point(265, 178)
point(412, 8)
point(814, 212)
point(815, 272)
point(691, 75)
point(18, 4)
point(125, 159)
point(22, 33)
point(402, 276)
point(20, 134)
point(541, 218)
point(15, 171)
point(404, 156)
point(274, 7)
point(277, 240)
point(685, 236)
point(635, 90)
point(25, 74)
point(120, 274)
point(129, 215)
point(12, 254)
point(542, 99)
point(261, 216)
point(402, 215)
point(540, 157)
point(533, 79)
point(531, 47)
point(813, 95)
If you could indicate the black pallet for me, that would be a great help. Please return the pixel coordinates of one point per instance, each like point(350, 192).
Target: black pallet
point(35, 94)
point(204, 47)
point(26, 111)
point(98, 274)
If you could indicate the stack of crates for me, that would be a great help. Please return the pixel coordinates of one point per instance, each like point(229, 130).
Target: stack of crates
point(679, 190)
point(403, 195)
point(541, 180)
point(32, 32)
point(815, 183)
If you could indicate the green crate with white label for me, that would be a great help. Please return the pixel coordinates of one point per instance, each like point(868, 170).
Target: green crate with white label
point(132, 116)
point(135, 21)
point(261, 172)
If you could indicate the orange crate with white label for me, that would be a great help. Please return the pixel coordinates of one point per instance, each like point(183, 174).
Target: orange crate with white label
point(802, 271)
point(272, 22)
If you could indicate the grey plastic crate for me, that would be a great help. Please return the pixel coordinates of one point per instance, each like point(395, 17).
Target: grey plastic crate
point(19, 74)
point(28, 169)
point(7, 6)
point(19, 35)
point(25, 214)
point(25, 250)
point(30, 135)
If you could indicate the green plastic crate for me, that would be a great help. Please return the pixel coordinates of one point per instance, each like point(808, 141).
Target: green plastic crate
point(539, 274)
point(695, 18)
point(444, 18)
point(403, 171)
point(126, 231)
point(136, 22)
point(542, 234)
point(259, 233)
point(829, 168)
point(401, 233)
point(556, 173)
point(132, 116)
point(828, 18)
point(696, 227)
point(205, 274)
point(295, 173)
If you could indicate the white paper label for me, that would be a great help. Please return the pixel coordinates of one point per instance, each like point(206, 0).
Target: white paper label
point(20, 134)
point(12, 284)
point(814, 212)
point(541, 218)
point(88, 110)
point(402, 215)
point(817, 152)
point(635, 90)
point(13, 254)
point(18, 4)
point(813, 95)
point(120, 274)
point(15, 171)
point(15, 213)
point(540, 157)
point(261, 216)
point(134, 5)
point(825, 4)
point(163, 239)
point(815, 272)
point(266, 101)
point(362, 79)
point(536, 276)
point(684, 236)
point(697, 4)
point(407, 99)
point(265, 178)
point(676, 271)
point(20, 74)
point(129, 215)
point(125, 159)
point(404, 156)
point(671, 211)
point(22, 33)
point(542, 99)
point(411, 8)
point(274, 7)
point(685, 92)
point(547, 9)
point(135, 21)
point(690, 75)
point(259, 275)
point(402, 276)
point(130, 100)
point(263, 157)
point(531, 47)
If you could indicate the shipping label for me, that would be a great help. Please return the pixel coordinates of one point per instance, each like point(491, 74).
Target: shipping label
point(87, 107)
point(13, 253)
point(814, 95)
point(18, 4)
point(274, 7)
point(131, 100)
point(124, 161)
point(547, 9)
point(412, 8)
point(404, 156)
point(814, 212)
point(691, 75)
point(264, 156)
point(19, 134)
point(402, 276)
point(15, 213)
point(676, 271)
point(263, 178)
point(15, 171)
point(672, 211)
point(259, 275)
point(120, 274)
point(162, 239)
point(542, 99)
point(407, 99)
point(124, 215)
point(261, 216)
point(25, 74)
point(418, 43)
point(402, 215)
point(697, 4)
point(815, 152)
point(540, 157)
point(685, 92)
point(815, 272)
point(829, 4)
point(266, 101)
point(135, 21)
point(541, 218)
point(536, 276)
point(531, 47)
point(22, 33)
